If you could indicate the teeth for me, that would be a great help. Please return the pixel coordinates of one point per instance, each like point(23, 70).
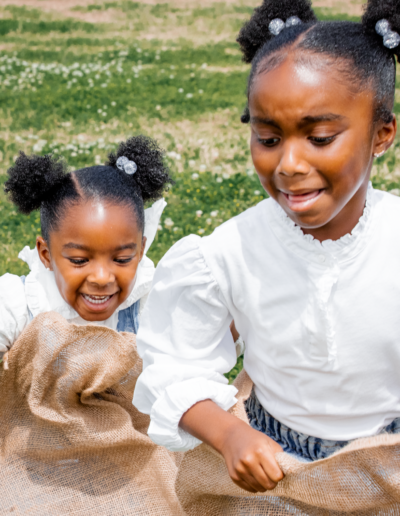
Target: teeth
point(97, 300)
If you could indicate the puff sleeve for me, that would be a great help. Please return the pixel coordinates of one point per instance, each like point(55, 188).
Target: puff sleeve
point(14, 314)
point(185, 343)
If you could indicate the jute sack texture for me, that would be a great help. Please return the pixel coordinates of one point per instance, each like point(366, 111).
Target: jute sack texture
point(362, 479)
point(71, 441)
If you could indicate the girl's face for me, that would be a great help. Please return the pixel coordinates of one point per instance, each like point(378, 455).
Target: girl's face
point(94, 254)
point(312, 143)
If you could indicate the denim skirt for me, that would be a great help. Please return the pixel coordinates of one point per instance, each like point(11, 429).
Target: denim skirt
point(304, 447)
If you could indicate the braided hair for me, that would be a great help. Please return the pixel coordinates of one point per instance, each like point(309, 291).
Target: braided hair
point(44, 182)
point(356, 50)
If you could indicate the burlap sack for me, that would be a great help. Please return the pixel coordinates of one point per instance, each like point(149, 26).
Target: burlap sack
point(363, 479)
point(71, 441)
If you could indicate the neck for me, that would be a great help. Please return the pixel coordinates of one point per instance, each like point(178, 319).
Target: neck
point(344, 222)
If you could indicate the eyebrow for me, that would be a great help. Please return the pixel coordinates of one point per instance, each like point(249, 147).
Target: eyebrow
point(307, 120)
point(72, 245)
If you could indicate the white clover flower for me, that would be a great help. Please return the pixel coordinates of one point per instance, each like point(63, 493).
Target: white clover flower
point(219, 179)
point(159, 227)
point(192, 163)
point(180, 90)
point(192, 74)
point(218, 169)
point(204, 65)
point(209, 221)
point(202, 168)
point(128, 80)
point(169, 222)
point(97, 159)
point(88, 106)
point(113, 103)
point(395, 191)
point(104, 85)
point(200, 231)
point(195, 176)
point(199, 213)
point(189, 95)
point(215, 153)
point(201, 92)
point(157, 57)
point(214, 213)
point(158, 108)
point(171, 76)
point(225, 175)
point(250, 171)
point(99, 110)
point(241, 191)
point(175, 228)
point(257, 192)
point(74, 154)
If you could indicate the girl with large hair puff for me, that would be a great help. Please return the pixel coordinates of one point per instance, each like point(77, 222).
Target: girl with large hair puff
point(310, 275)
point(89, 264)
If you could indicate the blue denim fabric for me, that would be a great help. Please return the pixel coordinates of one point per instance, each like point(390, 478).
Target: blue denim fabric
point(304, 447)
point(128, 319)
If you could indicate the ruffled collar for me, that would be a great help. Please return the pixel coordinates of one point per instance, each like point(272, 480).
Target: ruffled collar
point(328, 250)
point(42, 294)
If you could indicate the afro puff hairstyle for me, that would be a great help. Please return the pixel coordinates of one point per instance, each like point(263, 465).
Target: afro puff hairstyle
point(355, 48)
point(43, 182)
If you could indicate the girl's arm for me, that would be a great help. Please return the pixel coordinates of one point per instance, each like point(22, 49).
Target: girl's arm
point(249, 454)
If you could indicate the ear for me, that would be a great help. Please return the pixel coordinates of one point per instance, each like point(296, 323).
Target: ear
point(144, 240)
point(384, 137)
point(44, 252)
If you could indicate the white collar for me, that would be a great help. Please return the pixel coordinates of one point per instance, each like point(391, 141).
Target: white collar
point(42, 294)
point(311, 249)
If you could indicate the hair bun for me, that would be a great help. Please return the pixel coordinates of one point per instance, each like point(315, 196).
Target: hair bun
point(256, 31)
point(378, 10)
point(151, 174)
point(32, 178)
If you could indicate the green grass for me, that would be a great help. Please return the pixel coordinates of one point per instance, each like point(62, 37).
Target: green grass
point(76, 88)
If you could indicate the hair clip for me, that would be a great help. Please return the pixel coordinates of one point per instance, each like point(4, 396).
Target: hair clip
point(390, 38)
point(126, 165)
point(277, 25)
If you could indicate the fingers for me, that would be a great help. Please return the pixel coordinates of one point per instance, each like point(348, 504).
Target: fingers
point(257, 476)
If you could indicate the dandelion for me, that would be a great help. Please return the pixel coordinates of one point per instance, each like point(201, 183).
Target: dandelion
point(199, 213)
point(257, 192)
point(214, 213)
point(219, 179)
point(168, 222)
point(189, 95)
point(195, 176)
point(200, 231)
point(180, 90)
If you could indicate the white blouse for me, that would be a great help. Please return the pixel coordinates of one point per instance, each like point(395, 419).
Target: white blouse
point(321, 323)
point(40, 293)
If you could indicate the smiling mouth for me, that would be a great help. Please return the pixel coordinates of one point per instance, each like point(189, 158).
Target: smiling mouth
point(97, 302)
point(301, 202)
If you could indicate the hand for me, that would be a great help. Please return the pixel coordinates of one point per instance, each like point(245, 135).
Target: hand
point(250, 458)
point(249, 454)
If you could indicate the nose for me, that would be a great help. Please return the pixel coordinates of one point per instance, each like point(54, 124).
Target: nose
point(101, 275)
point(292, 161)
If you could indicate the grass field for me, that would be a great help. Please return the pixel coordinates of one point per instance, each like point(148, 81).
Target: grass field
point(77, 77)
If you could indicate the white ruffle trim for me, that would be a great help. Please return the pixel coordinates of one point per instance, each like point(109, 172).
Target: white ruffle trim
point(293, 233)
point(177, 399)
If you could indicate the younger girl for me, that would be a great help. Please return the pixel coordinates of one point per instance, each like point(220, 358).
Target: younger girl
point(89, 264)
point(310, 275)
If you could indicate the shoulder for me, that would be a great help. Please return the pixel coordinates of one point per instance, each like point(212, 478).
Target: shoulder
point(12, 291)
point(387, 208)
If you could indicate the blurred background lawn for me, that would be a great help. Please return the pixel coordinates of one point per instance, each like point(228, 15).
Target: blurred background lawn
point(78, 76)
